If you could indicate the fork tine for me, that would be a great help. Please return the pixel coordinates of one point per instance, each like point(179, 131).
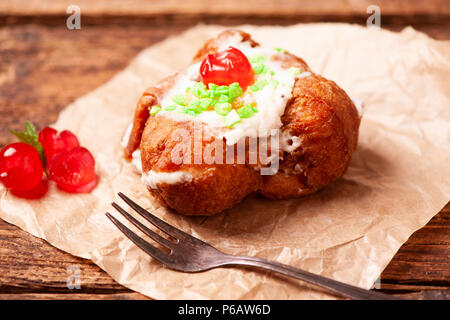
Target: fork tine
point(143, 228)
point(141, 243)
point(164, 226)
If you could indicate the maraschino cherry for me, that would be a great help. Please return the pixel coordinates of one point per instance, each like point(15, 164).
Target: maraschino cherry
point(227, 67)
point(71, 167)
point(73, 171)
point(54, 143)
point(20, 167)
point(37, 192)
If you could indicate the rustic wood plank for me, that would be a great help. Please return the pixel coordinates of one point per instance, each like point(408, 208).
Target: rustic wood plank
point(36, 62)
point(423, 295)
point(29, 264)
point(425, 258)
point(73, 296)
point(234, 7)
point(431, 16)
point(437, 27)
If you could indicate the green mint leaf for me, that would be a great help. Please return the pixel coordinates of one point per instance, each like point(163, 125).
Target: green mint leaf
point(30, 136)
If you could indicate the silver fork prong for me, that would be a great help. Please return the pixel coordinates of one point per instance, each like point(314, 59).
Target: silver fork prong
point(141, 243)
point(144, 229)
point(164, 226)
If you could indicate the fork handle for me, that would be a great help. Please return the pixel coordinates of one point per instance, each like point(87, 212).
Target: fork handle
point(337, 287)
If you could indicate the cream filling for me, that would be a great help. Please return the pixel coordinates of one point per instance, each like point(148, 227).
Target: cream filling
point(289, 142)
point(136, 160)
point(359, 106)
point(270, 100)
point(126, 135)
point(152, 178)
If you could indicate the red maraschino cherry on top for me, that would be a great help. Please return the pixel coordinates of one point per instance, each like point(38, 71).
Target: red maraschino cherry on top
point(226, 67)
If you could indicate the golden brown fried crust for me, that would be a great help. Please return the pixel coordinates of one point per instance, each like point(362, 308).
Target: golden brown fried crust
point(214, 187)
point(289, 60)
point(326, 121)
point(148, 99)
point(211, 191)
point(319, 113)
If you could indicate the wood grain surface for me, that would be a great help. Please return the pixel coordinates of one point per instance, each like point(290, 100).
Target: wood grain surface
point(44, 67)
point(227, 7)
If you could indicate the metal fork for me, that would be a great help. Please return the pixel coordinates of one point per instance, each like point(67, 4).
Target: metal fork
point(189, 254)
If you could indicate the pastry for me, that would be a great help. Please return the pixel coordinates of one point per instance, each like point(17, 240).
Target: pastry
point(241, 120)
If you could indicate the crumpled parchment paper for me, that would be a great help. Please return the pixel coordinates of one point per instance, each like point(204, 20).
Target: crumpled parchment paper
point(397, 180)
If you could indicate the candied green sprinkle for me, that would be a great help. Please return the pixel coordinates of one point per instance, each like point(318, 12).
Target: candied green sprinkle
point(295, 71)
point(218, 97)
point(193, 108)
point(223, 108)
point(222, 90)
point(212, 86)
point(235, 91)
point(194, 103)
point(232, 118)
point(258, 64)
point(199, 89)
point(192, 111)
point(205, 103)
point(274, 83)
point(260, 68)
point(223, 98)
point(235, 85)
point(257, 59)
point(213, 91)
point(204, 94)
point(179, 99)
point(246, 111)
point(279, 49)
point(170, 108)
point(259, 85)
point(211, 94)
point(257, 67)
point(154, 110)
point(199, 86)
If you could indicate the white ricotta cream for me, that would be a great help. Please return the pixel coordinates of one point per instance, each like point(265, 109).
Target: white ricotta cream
point(126, 135)
point(270, 101)
point(359, 106)
point(152, 178)
point(136, 160)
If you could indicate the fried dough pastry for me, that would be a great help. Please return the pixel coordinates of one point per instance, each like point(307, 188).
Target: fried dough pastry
point(318, 132)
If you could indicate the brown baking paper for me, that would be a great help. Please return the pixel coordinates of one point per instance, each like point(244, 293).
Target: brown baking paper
point(397, 180)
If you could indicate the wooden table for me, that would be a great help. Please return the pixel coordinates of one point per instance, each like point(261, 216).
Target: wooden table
point(44, 67)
